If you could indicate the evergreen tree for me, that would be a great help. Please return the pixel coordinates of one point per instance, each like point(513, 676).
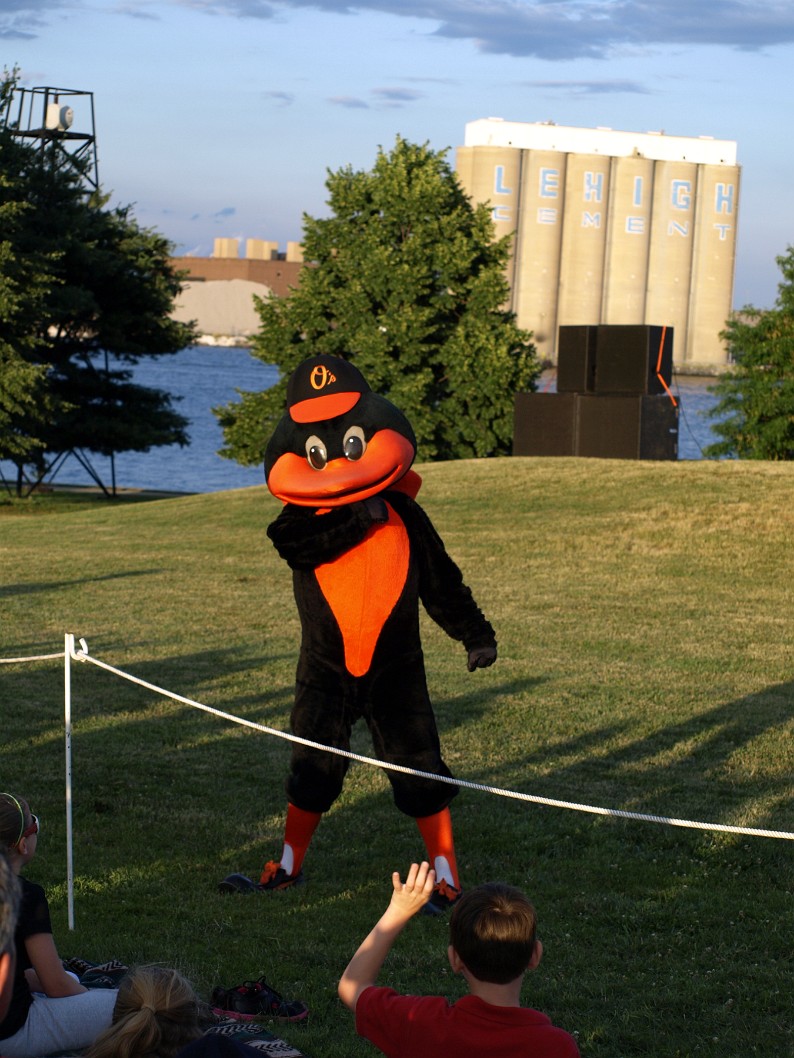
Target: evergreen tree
point(756, 406)
point(79, 283)
point(22, 383)
point(407, 281)
point(24, 282)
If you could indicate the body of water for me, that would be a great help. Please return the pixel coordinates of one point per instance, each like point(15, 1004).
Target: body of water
point(206, 376)
point(694, 425)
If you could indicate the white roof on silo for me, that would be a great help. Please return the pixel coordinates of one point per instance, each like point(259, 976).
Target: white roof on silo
point(546, 136)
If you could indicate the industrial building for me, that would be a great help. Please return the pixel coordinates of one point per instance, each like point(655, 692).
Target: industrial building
point(611, 227)
point(218, 292)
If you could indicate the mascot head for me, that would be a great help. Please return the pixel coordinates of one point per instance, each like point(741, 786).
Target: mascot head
point(338, 441)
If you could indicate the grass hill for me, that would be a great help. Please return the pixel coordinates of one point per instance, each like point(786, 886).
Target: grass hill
point(646, 635)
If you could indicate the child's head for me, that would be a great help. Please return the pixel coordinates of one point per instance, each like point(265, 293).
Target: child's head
point(17, 822)
point(492, 929)
point(156, 1014)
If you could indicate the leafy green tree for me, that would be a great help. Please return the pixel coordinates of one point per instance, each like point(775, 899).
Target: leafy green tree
point(407, 281)
point(756, 406)
point(79, 283)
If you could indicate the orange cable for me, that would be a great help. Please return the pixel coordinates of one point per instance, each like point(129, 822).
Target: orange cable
point(659, 367)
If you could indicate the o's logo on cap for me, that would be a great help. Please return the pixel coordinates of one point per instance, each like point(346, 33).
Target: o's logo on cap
point(321, 377)
point(323, 387)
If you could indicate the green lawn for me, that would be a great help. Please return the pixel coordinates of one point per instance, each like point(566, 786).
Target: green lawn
point(646, 636)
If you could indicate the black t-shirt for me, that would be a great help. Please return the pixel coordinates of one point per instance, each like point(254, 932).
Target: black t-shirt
point(34, 917)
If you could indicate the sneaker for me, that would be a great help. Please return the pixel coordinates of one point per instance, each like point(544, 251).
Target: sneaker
point(256, 999)
point(275, 877)
point(444, 896)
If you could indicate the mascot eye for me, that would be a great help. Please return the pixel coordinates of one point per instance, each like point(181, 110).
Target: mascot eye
point(316, 453)
point(354, 445)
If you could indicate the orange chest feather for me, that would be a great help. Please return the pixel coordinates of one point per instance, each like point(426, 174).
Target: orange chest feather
point(362, 587)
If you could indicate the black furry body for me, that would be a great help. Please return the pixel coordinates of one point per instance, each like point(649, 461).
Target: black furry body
point(391, 696)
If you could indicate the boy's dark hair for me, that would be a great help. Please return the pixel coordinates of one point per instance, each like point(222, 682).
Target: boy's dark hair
point(492, 929)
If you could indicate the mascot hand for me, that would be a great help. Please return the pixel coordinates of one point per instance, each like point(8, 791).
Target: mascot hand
point(481, 658)
point(377, 509)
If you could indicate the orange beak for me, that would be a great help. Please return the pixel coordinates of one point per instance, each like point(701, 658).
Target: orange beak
point(387, 458)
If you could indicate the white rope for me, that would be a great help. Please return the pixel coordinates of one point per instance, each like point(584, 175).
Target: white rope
point(83, 655)
point(35, 657)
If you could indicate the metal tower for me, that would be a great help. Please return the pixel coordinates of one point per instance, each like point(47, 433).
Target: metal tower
point(50, 118)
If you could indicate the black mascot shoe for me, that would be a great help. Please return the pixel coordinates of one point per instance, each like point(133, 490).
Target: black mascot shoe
point(273, 877)
point(237, 883)
point(444, 896)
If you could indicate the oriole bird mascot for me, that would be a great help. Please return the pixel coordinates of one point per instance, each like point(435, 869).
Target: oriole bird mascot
point(363, 554)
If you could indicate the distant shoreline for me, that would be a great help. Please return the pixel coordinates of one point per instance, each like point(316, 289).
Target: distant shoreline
point(246, 341)
point(226, 341)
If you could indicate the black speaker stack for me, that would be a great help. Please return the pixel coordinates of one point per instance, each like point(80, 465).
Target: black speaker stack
point(612, 401)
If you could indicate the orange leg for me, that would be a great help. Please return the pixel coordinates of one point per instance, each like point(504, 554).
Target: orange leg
point(436, 832)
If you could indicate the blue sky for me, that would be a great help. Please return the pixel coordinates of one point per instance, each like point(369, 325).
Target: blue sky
point(222, 117)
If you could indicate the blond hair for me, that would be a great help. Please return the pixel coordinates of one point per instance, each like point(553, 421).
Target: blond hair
point(156, 1014)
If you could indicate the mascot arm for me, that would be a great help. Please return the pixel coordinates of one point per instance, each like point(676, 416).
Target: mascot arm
point(306, 539)
point(445, 596)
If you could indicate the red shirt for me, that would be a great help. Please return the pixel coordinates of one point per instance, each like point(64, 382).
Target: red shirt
point(418, 1026)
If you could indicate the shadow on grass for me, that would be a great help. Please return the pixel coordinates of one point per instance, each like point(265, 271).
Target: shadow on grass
point(226, 780)
point(709, 767)
point(35, 693)
point(463, 708)
point(165, 809)
point(8, 590)
point(714, 766)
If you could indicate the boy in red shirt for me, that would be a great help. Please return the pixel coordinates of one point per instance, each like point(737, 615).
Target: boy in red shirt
point(493, 944)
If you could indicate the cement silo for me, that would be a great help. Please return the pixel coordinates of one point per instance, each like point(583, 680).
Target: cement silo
point(611, 227)
point(626, 265)
point(537, 252)
point(670, 253)
point(584, 237)
point(493, 175)
point(712, 261)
